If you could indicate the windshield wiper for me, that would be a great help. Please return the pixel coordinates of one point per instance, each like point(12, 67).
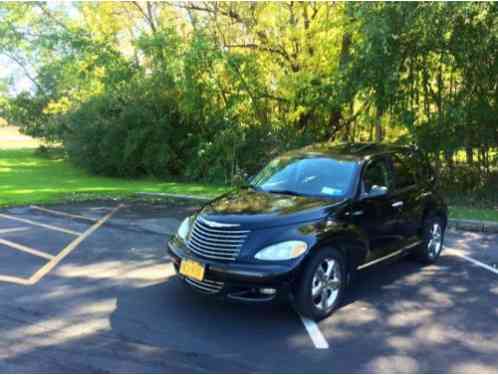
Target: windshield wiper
point(286, 192)
point(252, 186)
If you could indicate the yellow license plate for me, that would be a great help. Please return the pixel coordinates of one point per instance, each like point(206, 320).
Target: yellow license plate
point(192, 269)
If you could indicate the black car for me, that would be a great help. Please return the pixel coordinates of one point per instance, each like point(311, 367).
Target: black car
point(308, 221)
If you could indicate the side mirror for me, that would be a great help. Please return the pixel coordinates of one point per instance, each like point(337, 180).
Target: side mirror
point(376, 191)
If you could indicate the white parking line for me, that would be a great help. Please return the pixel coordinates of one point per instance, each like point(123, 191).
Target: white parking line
point(35, 223)
point(60, 213)
point(314, 332)
point(38, 275)
point(54, 260)
point(458, 253)
point(26, 249)
point(12, 230)
point(14, 280)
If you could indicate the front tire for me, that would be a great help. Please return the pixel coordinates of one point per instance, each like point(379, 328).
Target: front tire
point(433, 237)
point(322, 285)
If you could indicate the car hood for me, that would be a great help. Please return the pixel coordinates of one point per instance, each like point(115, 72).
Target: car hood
point(257, 209)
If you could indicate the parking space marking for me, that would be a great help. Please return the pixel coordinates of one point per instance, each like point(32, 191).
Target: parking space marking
point(60, 213)
point(35, 223)
point(14, 280)
point(26, 249)
point(458, 253)
point(12, 230)
point(314, 332)
point(38, 275)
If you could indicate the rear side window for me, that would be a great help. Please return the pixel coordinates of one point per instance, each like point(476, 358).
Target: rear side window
point(423, 166)
point(376, 173)
point(405, 169)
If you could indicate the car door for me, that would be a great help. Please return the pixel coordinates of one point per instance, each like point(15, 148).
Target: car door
point(406, 196)
point(373, 210)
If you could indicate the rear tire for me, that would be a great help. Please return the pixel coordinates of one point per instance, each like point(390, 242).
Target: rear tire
point(433, 239)
point(321, 287)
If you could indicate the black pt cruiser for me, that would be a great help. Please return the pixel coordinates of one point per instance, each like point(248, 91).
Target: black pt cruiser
point(308, 221)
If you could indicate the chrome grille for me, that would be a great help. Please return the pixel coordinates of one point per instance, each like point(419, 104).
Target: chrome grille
point(216, 240)
point(207, 286)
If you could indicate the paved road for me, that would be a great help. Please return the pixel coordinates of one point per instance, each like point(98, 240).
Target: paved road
point(93, 293)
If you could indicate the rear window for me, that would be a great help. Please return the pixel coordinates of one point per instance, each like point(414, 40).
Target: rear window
point(405, 170)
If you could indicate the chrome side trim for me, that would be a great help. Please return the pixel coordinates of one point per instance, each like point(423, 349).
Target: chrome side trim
point(375, 261)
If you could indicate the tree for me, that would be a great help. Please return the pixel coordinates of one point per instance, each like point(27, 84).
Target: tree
point(227, 85)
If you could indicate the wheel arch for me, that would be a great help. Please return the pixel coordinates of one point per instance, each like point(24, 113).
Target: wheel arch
point(353, 249)
point(435, 212)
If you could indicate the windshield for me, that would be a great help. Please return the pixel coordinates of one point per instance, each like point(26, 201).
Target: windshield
point(307, 175)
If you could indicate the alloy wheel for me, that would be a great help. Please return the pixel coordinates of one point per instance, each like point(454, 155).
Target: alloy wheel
point(326, 284)
point(435, 240)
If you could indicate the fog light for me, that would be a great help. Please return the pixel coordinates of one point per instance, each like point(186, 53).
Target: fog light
point(268, 291)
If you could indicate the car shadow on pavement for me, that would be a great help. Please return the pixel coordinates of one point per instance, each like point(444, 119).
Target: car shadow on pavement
point(397, 317)
point(111, 307)
point(229, 335)
point(405, 317)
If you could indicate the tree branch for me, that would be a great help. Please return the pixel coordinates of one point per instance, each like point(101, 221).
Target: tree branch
point(22, 65)
point(147, 15)
point(255, 46)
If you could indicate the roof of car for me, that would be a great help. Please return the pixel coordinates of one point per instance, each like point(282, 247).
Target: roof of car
point(350, 151)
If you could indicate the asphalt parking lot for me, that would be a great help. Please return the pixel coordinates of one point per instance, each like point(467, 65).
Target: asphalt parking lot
point(88, 287)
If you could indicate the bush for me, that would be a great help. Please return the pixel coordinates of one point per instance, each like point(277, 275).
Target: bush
point(128, 137)
point(146, 132)
point(467, 186)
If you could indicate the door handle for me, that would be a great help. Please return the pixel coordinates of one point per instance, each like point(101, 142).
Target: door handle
point(357, 213)
point(398, 204)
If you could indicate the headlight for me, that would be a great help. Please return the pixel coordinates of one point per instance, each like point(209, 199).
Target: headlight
point(282, 251)
point(183, 229)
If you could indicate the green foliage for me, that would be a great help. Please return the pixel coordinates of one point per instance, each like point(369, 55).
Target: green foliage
point(435, 68)
point(110, 135)
point(206, 91)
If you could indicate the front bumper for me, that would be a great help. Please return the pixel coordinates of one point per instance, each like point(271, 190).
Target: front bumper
point(239, 281)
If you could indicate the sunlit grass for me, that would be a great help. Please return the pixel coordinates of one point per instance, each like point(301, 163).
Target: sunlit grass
point(473, 213)
point(27, 178)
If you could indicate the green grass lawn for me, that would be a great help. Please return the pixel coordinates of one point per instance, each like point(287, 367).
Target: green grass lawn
point(473, 213)
point(27, 178)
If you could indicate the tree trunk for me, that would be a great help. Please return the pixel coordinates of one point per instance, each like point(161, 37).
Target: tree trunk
point(379, 136)
point(448, 155)
point(470, 155)
point(437, 163)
